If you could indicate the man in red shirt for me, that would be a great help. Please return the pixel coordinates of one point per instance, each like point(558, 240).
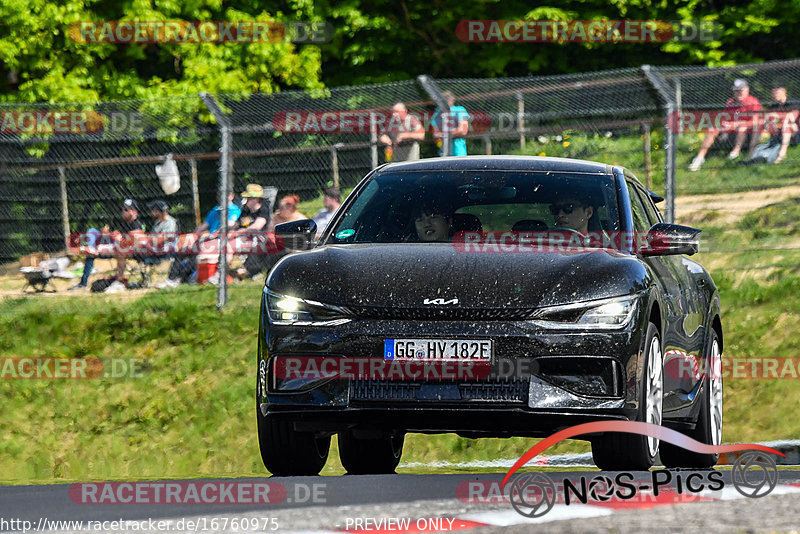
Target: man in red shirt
point(741, 103)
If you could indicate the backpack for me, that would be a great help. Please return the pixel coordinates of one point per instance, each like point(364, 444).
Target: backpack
point(99, 286)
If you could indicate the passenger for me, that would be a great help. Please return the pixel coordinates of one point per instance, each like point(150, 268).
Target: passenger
point(433, 223)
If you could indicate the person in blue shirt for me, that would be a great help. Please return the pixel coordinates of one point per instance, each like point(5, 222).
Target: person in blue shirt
point(212, 221)
point(456, 121)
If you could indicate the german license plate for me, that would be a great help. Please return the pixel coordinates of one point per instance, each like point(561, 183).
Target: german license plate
point(438, 349)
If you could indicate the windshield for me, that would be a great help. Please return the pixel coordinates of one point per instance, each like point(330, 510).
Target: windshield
point(419, 207)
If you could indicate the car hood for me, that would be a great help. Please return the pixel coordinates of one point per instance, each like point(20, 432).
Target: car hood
point(405, 275)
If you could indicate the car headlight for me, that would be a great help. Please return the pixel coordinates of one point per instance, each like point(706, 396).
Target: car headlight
point(289, 309)
point(614, 313)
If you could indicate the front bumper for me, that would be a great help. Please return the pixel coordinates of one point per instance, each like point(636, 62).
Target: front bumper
point(532, 405)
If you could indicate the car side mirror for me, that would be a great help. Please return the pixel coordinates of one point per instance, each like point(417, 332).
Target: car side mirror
point(665, 239)
point(297, 235)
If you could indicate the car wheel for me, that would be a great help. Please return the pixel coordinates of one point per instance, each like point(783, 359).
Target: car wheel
point(286, 452)
point(709, 423)
point(617, 450)
point(370, 456)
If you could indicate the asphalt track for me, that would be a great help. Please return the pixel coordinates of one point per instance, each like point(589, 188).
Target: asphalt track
point(414, 503)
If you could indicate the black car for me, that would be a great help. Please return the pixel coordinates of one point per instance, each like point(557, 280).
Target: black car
point(601, 327)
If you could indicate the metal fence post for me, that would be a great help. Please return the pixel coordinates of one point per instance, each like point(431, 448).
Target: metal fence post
point(62, 181)
point(660, 85)
point(195, 193)
point(224, 190)
point(436, 95)
point(487, 145)
point(335, 165)
point(648, 168)
point(521, 120)
point(373, 140)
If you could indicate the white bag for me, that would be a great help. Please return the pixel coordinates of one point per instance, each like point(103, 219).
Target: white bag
point(168, 175)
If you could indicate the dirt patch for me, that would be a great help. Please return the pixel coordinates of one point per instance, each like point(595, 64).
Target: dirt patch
point(728, 208)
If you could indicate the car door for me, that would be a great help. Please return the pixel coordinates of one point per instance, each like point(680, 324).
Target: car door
point(671, 279)
point(690, 329)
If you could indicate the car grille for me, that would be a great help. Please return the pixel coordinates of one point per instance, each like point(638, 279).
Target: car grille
point(442, 314)
point(513, 391)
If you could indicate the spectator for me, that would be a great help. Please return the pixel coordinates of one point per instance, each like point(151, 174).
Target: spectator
point(774, 150)
point(103, 244)
point(183, 266)
point(253, 225)
point(331, 199)
point(402, 137)
point(287, 210)
point(456, 122)
point(742, 102)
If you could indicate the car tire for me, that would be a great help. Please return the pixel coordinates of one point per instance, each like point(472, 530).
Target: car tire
point(708, 429)
point(370, 456)
point(617, 451)
point(286, 452)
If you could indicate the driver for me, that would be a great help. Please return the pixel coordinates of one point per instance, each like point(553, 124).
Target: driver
point(573, 213)
point(433, 223)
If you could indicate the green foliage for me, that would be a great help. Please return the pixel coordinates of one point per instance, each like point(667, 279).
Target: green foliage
point(42, 63)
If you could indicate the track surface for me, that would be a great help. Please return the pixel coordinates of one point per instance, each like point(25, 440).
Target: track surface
point(369, 499)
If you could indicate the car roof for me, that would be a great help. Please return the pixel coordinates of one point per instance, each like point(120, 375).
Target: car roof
point(500, 163)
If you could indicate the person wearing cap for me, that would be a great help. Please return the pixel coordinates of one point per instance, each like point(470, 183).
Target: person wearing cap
point(253, 225)
point(331, 199)
point(741, 103)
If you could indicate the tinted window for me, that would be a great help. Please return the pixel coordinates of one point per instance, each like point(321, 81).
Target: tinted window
point(389, 209)
point(640, 221)
point(649, 207)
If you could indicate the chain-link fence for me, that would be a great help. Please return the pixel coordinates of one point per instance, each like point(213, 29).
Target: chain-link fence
point(67, 168)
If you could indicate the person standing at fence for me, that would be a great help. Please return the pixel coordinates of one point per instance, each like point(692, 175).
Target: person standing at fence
point(742, 103)
point(402, 135)
point(455, 121)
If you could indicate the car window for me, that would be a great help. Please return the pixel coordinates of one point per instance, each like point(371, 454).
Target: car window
point(640, 220)
point(389, 209)
point(649, 207)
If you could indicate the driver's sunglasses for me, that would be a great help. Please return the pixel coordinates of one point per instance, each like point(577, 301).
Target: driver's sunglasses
point(566, 208)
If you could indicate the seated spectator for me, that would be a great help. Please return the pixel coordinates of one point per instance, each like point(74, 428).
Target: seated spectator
point(104, 245)
point(253, 225)
point(782, 134)
point(331, 199)
point(741, 103)
point(208, 232)
point(402, 135)
point(287, 210)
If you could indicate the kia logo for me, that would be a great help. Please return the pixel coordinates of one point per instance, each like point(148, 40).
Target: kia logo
point(439, 302)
